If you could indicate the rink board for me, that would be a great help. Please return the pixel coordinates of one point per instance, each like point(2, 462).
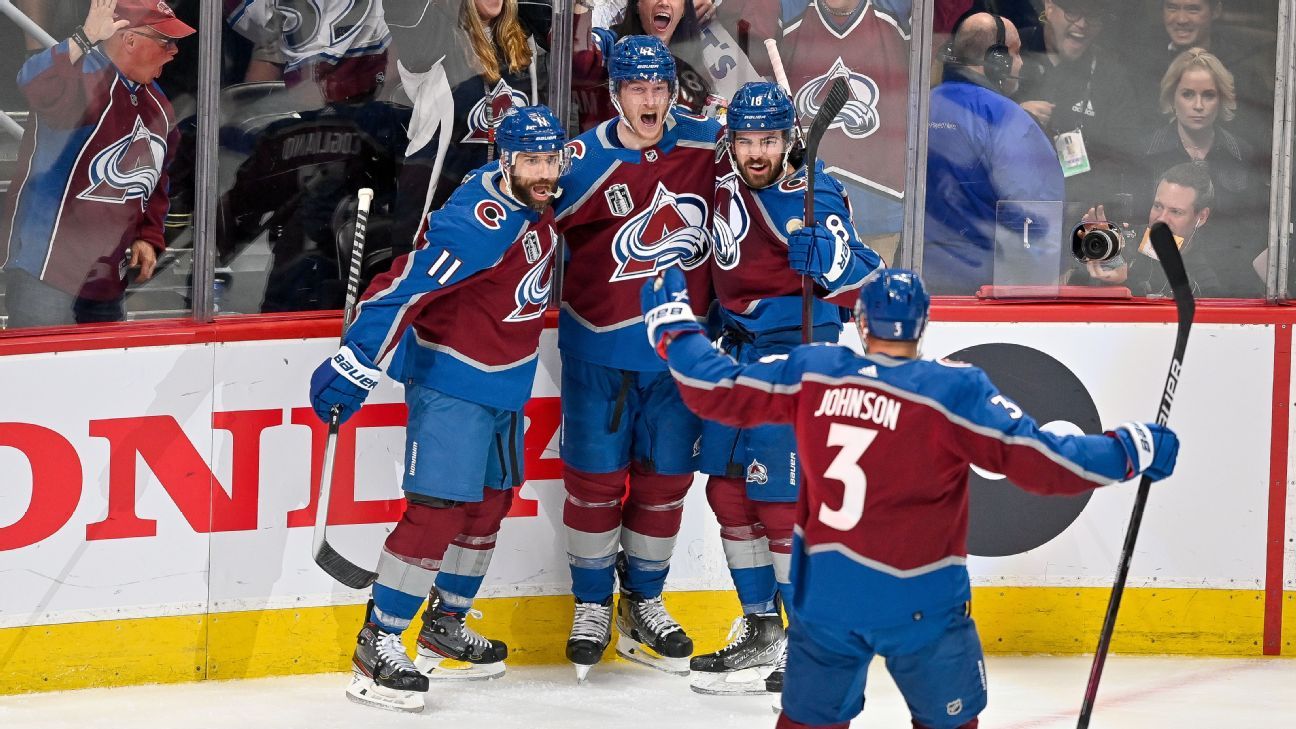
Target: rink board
point(155, 523)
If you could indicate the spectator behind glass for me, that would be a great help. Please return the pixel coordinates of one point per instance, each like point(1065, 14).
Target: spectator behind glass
point(985, 157)
point(93, 195)
point(1073, 87)
point(1197, 93)
point(1183, 200)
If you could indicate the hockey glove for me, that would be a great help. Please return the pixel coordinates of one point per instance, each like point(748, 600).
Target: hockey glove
point(1150, 449)
point(343, 381)
point(666, 309)
point(817, 253)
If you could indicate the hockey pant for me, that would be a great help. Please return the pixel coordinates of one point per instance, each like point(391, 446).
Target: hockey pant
point(438, 542)
point(598, 523)
point(757, 539)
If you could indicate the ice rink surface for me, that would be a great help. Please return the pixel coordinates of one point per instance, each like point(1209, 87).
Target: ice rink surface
point(1025, 693)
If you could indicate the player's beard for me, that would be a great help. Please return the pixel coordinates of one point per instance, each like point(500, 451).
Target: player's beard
point(768, 174)
point(525, 191)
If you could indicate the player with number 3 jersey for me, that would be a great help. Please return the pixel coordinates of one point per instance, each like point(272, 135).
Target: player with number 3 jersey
point(879, 558)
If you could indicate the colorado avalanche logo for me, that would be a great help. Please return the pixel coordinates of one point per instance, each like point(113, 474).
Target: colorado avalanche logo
point(671, 231)
point(500, 100)
point(732, 221)
point(859, 118)
point(127, 169)
point(532, 294)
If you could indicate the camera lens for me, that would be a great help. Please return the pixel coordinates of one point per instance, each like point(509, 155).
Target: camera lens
point(1098, 244)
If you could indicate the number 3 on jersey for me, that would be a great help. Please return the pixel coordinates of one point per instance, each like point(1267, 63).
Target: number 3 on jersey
point(853, 441)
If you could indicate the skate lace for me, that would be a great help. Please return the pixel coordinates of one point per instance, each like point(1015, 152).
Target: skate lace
point(738, 633)
point(392, 652)
point(469, 635)
point(591, 622)
point(652, 612)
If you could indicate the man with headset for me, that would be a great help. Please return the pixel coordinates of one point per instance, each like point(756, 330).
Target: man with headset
point(985, 157)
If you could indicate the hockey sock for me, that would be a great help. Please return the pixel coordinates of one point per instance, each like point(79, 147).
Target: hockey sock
point(779, 519)
point(592, 518)
point(469, 554)
point(745, 545)
point(411, 556)
point(651, 522)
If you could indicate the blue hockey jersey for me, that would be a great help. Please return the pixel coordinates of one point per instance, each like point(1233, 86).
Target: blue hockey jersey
point(885, 446)
point(467, 308)
point(749, 264)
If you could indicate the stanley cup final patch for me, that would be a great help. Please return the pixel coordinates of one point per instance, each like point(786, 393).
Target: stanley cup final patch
point(531, 245)
point(619, 200)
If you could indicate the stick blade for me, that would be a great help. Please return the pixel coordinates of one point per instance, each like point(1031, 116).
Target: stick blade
point(341, 569)
point(1167, 251)
point(838, 95)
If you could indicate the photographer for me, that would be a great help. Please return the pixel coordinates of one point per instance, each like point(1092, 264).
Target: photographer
point(1183, 199)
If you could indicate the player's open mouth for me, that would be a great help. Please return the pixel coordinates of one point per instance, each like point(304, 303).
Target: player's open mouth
point(648, 121)
point(661, 21)
point(541, 192)
point(757, 167)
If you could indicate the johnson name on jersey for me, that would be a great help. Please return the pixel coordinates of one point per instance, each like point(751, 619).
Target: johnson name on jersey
point(881, 536)
point(467, 308)
point(628, 215)
point(749, 263)
point(866, 142)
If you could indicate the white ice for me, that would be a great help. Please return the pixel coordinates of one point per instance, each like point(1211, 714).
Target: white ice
point(1025, 693)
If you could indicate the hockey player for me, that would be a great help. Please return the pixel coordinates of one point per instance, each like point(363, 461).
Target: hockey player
point(637, 201)
point(755, 271)
point(879, 558)
point(467, 311)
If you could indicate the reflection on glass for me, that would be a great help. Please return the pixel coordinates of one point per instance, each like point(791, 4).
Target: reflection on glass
point(85, 216)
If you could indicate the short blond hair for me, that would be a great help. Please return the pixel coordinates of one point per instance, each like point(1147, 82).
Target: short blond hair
point(1199, 58)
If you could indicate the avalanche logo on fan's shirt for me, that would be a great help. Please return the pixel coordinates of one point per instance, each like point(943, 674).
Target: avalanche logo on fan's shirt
point(501, 99)
point(127, 169)
point(532, 293)
point(732, 221)
point(859, 118)
point(670, 231)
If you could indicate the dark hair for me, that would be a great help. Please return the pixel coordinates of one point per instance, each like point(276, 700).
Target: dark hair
point(689, 29)
point(1195, 175)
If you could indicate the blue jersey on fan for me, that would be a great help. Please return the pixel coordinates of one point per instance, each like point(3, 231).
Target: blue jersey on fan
point(750, 261)
point(477, 341)
point(628, 215)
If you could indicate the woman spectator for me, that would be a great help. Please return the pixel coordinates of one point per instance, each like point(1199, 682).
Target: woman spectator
point(1198, 96)
point(1074, 87)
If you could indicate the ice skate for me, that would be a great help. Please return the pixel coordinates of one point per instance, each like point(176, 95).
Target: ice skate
point(774, 681)
point(449, 650)
point(382, 674)
point(590, 634)
point(740, 668)
point(650, 636)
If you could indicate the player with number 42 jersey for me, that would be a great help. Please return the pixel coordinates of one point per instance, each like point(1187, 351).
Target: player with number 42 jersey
point(886, 442)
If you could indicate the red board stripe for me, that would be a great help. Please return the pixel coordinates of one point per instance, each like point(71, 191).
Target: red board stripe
point(1274, 540)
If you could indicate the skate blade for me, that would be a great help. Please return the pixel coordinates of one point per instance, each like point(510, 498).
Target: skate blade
point(777, 704)
point(582, 673)
point(364, 691)
point(743, 682)
point(439, 668)
point(636, 652)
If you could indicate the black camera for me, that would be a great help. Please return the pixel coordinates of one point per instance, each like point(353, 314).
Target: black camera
point(1096, 241)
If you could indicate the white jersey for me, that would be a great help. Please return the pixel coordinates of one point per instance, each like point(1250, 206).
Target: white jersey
point(313, 30)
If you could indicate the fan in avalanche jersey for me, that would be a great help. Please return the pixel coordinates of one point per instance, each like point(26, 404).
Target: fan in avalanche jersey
point(887, 441)
point(865, 146)
point(637, 201)
point(756, 269)
point(467, 310)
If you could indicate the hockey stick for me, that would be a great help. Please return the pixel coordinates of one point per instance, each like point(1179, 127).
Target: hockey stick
point(838, 94)
point(1167, 252)
point(337, 566)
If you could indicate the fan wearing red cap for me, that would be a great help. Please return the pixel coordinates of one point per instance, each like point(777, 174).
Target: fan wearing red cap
point(89, 204)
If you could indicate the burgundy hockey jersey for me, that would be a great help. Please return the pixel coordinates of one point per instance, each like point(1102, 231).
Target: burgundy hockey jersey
point(91, 174)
